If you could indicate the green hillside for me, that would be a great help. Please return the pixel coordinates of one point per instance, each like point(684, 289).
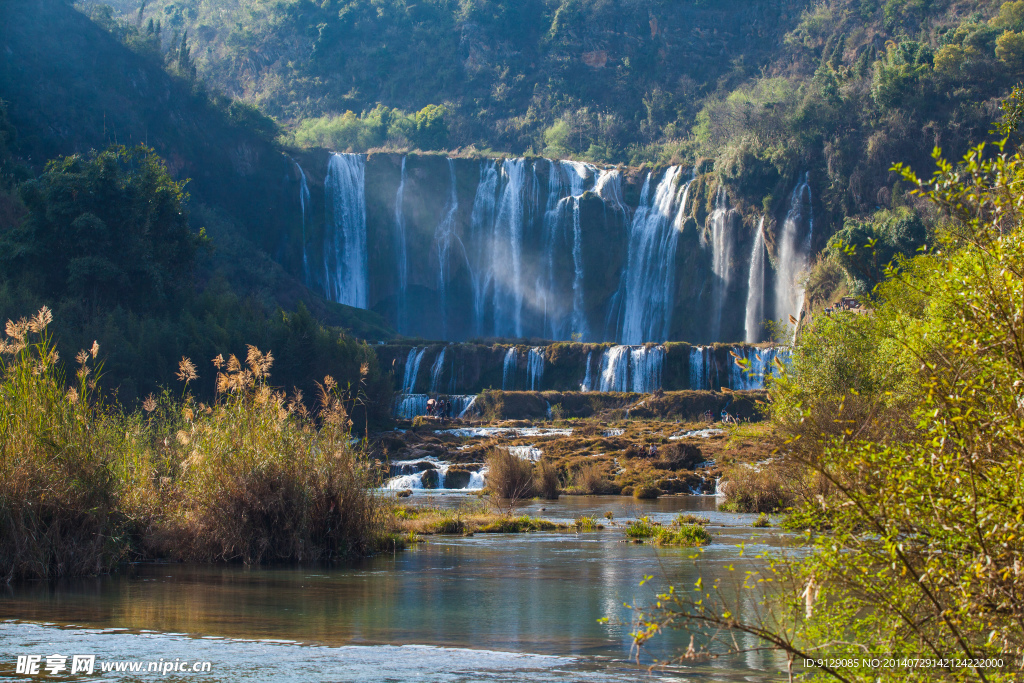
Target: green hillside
point(83, 235)
point(767, 89)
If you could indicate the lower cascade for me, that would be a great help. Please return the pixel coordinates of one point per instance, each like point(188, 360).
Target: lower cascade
point(635, 369)
point(431, 473)
point(408, 406)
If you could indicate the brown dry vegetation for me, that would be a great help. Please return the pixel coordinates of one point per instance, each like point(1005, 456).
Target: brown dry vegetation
point(594, 459)
point(252, 477)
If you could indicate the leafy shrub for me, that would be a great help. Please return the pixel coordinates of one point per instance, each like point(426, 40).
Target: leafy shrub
point(589, 479)
point(517, 525)
point(681, 534)
point(647, 491)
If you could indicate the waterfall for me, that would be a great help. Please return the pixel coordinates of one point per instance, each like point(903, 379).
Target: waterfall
point(647, 286)
point(401, 254)
point(761, 366)
point(535, 367)
point(637, 369)
point(755, 288)
point(615, 369)
point(444, 234)
point(509, 368)
point(345, 256)
point(412, 369)
point(520, 239)
point(721, 246)
point(553, 313)
point(793, 260)
point(587, 381)
point(646, 363)
point(703, 368)
point(579, 317)
point(304, 202)
point(507, 253)
point(435, 371)
point(408, 406)
point(608, 187)
point(481, 222)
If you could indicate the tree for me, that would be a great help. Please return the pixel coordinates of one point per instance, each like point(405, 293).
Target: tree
point(109, 227)
point(866, 248)
point(912, 479)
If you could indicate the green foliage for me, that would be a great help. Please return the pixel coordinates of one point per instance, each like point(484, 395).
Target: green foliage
point(646, 491)
point(109, 228)
point(517, 525)
point(681, 534)
point(865, 249)
point(586, 523)
point(912, 470)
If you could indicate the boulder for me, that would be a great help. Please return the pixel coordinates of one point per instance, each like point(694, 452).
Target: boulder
point(457, 478)
point(431, 479)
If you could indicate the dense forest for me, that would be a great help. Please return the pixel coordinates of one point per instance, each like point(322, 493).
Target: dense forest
point(222, 91)
point(843, 88)
point(150, 246)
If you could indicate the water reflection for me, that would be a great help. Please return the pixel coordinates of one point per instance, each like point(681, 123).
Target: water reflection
point(536, 593)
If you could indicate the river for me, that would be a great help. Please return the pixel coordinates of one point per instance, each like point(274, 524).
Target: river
point(482, 608)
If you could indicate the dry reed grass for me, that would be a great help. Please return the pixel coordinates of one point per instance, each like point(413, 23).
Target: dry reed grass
point(252, 478)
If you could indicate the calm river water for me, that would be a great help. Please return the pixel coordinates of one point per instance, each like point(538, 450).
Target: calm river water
point(483, 608)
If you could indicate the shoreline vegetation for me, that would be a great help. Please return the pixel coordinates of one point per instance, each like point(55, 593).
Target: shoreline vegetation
point(254, 476)
point(899, 439)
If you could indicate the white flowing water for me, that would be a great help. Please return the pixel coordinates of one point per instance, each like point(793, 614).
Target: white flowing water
point(345, 255)
point(615, 369)
point(580, 328)
point(647, 286)
point(637, 369)
point(401, 254)
point(721, 246)
point(509, 369)
point(408, 406)
point(526, 452)
point(304, 202)
point(755, 288)
point(646, 363)
point(554, 309)
point(481, 225)
point(535, 367)
point(436, 371)
point(444, 236)
point(587, 380)
point(412, 369)
point(507, 254)
point(703, 369)
point(513, 432)
point(794, 253)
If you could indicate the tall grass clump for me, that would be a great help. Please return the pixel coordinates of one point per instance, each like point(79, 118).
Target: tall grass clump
point(254, 477)
point(510, 478)
point(749, 490)
point(258, 481)
point(63, 467)
point(547, 480)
